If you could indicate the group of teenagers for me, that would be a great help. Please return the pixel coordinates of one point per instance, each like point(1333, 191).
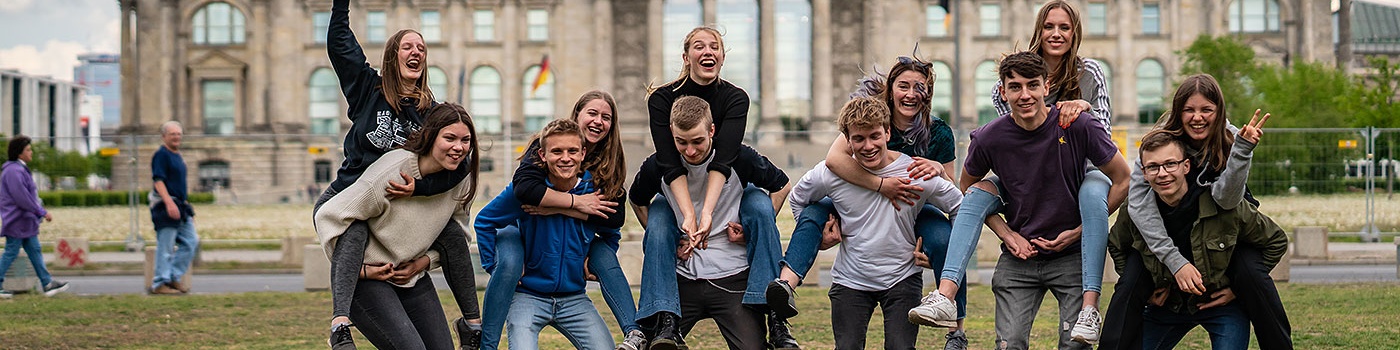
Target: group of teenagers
point(1191, 247)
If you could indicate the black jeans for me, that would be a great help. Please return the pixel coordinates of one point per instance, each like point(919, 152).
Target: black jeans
point(722, 299)
point(1249, 279)
point(454, 254)
point(851, 311)
point(400, 318)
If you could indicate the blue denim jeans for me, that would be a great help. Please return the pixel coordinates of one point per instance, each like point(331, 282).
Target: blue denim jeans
point(1228, 327)
point(574, 317)
point(977, 204)
point(931, 225)
point(764, 251)
point(510, 255)
point(36, 258)
point(175, 247)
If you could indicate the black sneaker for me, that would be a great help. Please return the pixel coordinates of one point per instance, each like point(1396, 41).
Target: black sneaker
point(668, 335)
point(471, 338)
point(341, 339)
point(779, 337)
point(781, 298)
point(55, 287)
point(957, 340)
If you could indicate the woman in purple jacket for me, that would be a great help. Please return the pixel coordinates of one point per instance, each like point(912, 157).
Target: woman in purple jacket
point(20, 211)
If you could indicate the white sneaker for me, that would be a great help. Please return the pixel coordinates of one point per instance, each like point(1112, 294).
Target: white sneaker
point(935, 310)
point(635, 340)
point(1086, 329)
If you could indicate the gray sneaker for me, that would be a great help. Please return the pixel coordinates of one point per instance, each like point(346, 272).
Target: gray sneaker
point(957, 340)
point(55, 287)
point(635, 340)
point(935, 310)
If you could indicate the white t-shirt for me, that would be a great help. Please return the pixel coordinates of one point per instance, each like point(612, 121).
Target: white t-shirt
point(721, 258)
point(877, 248)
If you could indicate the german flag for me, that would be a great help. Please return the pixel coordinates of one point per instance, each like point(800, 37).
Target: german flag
point(542, 76)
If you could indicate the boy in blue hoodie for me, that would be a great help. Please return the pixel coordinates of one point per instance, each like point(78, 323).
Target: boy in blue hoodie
point(551, 291)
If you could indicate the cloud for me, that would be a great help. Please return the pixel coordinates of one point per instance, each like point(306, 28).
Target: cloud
point(14, 6)
point(56, 59)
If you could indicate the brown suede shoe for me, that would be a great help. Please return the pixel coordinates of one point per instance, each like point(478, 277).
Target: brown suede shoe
point(165, 289)
point(180, 286)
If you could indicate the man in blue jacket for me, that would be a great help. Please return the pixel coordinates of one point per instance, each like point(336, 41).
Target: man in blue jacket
point(551, 290)
point(20, 212)
point(171, 213)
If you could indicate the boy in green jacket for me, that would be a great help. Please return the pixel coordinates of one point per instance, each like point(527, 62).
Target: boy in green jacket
point(1206, 235)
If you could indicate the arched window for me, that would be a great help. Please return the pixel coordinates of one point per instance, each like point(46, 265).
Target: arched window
point(437, 82)
point(793, 45)
point(325, 102)
point(486, 99)
point(942, 103)
point(986, 75)
point(739, 22)
point(539, 102)
point(218, 23)
point(1151, 84)
point(213, 174)
point(1254, 16)
point(678, 18)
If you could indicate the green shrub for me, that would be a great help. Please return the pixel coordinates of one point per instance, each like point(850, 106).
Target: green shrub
point(85, 198)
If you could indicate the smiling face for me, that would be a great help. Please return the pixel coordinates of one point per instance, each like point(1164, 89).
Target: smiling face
point(451, 145)
point(596, 119)
point(907, 93)
point(1056, 33)
point(1198, 115)
point(694, 144)
point(411, 53)
point(562, 154)
point(704, 55)
point(1025, 95)
point(1165, 169)
point(868, 145)
point(171, 135)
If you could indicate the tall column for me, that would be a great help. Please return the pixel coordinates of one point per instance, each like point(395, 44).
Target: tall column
point(512, 98)
point(1125, 104)
point(257, 89)
point(769, 124)
point(130, 58)
point(603, 47)
point(823, 108)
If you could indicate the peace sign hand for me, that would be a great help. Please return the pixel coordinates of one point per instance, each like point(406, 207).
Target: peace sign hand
point(1252, 131)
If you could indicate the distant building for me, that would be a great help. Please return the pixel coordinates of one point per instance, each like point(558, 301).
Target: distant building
point(102, 75)
point(42, 108)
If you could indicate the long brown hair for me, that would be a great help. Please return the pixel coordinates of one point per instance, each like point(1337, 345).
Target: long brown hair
point(607, 161)
point(441, 116)
point(685, 68)
point(389, 73)
point(919, 127)
point(1217, 145)
point(1063, 77)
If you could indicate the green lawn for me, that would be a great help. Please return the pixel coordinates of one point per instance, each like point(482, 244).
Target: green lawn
point(1323, 317)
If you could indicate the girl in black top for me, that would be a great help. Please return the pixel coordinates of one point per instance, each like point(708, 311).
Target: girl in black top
point(729, 107)
point(385, 107)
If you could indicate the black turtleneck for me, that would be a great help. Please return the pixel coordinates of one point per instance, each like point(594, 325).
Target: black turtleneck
point(729, 106)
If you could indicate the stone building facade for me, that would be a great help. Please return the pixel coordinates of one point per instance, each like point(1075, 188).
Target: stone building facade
point(43, 108)
point(264, 117)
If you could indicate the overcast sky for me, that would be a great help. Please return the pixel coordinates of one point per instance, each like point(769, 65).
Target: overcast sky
point(45, 37)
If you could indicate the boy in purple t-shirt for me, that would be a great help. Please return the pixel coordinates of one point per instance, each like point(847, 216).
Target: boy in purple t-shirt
point(1041, 167)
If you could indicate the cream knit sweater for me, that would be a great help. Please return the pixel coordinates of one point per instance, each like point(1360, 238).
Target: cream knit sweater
point(398, 232)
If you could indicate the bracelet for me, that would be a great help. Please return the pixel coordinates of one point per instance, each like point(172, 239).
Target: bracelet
point(882, 185)
point(571, 200)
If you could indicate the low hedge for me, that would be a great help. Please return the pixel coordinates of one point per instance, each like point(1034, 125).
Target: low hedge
point(55, 199)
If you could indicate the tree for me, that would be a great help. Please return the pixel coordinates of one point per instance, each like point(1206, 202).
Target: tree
point(1375, 103)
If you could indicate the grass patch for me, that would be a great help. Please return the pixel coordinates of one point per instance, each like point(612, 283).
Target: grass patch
point(1323, 317)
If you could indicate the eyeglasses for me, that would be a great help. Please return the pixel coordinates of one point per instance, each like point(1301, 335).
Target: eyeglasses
point(1154, 169)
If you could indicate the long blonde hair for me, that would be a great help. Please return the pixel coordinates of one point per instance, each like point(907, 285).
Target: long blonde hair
point(1065, 76)
point(685, 68)
point(389, 74)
